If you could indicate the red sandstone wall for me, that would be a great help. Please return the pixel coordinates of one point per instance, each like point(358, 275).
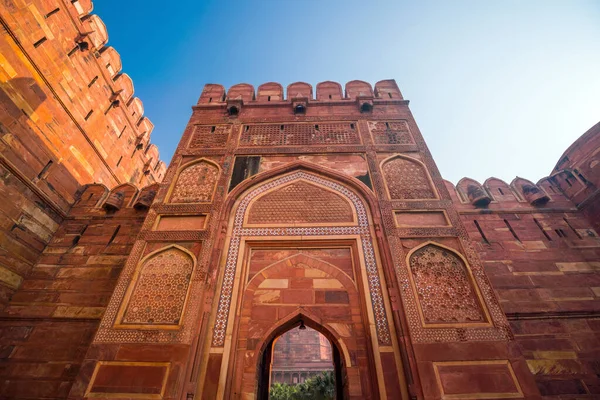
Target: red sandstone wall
point(543, 263)
point(410, 208)
point(68, 117)
point(48, 325)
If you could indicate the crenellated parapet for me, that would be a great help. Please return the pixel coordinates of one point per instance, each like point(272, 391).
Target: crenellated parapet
point(521, 193)
point(299, 95)
point(573, 184)
point(102, 200)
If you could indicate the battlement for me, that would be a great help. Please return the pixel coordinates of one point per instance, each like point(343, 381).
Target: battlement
point(573, 181)
point(561, 189)
point(104, 200)
point(325, 91)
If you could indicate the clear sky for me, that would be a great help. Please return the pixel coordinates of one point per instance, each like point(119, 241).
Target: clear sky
point(498, 88)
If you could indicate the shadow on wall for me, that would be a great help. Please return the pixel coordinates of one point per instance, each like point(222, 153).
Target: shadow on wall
point(21, 95)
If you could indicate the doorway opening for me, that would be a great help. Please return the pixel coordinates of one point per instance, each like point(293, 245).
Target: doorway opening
point(301, 363)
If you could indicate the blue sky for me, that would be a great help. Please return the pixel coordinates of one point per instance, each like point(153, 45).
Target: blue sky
point(498, 88)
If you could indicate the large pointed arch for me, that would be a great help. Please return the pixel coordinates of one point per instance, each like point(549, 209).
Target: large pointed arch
point(342, 359)
point(372, 267)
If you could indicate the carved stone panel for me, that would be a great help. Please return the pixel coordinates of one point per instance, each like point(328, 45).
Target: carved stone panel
point(196, 183)
point(444, 287)
point(160, 290)
point(393, 132)
point(407, 179)
point(300, 202)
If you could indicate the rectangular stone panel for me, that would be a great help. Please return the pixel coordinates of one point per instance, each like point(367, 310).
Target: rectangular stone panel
point(125, 379)
point(181, 223)
point(298, 134)
point(494, 379)
point(409, 219)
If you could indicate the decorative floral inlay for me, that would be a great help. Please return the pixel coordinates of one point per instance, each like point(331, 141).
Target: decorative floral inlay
point(159, 294)
point(444, 288)
point(196, 183)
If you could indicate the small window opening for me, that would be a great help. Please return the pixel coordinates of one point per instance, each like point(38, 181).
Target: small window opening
point(268, 98)
point(560, 233)
point(552, 189)
point(89, 114)
point(281, 127)
point(39, 42)
point(79, 235)
point(51, 13)
point(500, 191)
point(44, 172)
point(481, 232)
point(329, 97)
point(119, 162)
point(114, 235)
point(246, 128)
point(90, 196)
point(572, 228)
point(387, 125)
point(83, 45)
point(542, 229)
point(210, 99)
point(93, 81)
point(582, 177)
point(351, 126)
point(390, 95)
point(511, 230)
point(316, 127)
point(568, 182)
point(212, 129)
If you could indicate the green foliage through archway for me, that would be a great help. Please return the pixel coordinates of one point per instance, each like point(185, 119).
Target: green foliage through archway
point(320, 387)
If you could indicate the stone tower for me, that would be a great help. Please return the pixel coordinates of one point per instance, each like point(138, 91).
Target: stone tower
point(322, 208)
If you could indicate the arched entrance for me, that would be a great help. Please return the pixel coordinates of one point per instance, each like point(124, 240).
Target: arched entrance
point(301, 243)
point(268, 357)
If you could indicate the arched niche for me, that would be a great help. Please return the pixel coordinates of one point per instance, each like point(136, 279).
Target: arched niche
point(445, 289)
point(195, 182)
point(407, 179)
point(158, 292)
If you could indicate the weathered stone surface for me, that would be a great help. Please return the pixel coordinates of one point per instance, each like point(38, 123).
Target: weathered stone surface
point(337, 218)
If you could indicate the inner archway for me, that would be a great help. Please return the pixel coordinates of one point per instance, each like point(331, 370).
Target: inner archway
point(301, 360)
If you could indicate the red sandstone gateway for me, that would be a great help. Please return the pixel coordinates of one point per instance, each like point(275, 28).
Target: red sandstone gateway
point(291, 235)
